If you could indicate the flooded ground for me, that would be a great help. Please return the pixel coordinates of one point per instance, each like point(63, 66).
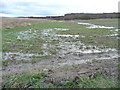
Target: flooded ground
point(92, 26)
point(67, 44)
point(68, 55)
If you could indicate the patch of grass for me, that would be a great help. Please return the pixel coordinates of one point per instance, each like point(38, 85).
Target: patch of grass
point(24, 80)
point(104, 41)
point(36, 81)
point(99, 81)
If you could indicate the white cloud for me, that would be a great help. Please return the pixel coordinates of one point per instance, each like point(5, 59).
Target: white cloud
point(56, 7)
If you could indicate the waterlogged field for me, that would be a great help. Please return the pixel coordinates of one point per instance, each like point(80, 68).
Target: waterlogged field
point(50, 53)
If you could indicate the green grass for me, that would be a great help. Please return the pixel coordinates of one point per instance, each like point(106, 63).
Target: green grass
point(110, 42)
point(24, 80)
point(85, 82)
point(36, 81)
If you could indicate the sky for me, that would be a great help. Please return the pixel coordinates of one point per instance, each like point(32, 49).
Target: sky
point(15, 8)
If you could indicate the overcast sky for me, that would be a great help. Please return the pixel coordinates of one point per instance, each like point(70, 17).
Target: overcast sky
point(55, 7)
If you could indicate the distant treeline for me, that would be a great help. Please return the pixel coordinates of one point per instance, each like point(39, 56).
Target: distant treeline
point(85, 16)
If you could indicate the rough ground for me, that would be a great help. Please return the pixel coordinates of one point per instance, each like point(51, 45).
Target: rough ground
point(73, 59)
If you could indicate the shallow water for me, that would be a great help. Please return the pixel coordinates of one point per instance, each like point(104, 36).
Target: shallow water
point(91, 26)
point(20, 56)
point(84, 23)
point(112, 35)
point(69, 35)
point(98, 26)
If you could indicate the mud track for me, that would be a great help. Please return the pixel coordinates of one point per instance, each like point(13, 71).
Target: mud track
point(69, 66)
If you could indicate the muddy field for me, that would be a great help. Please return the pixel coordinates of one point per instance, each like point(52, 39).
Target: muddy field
point(66, 50)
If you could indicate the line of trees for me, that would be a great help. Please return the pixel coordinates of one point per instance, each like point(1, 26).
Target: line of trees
point(73, 16)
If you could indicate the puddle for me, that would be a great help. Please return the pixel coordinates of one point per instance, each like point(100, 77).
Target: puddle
point(98, 26)
point(68, 35)
point(92, 26)
point(97, 50)
point(84, 23)
point(20, 56)
point(113, 35)
point(61, 29)
point(117, 30)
